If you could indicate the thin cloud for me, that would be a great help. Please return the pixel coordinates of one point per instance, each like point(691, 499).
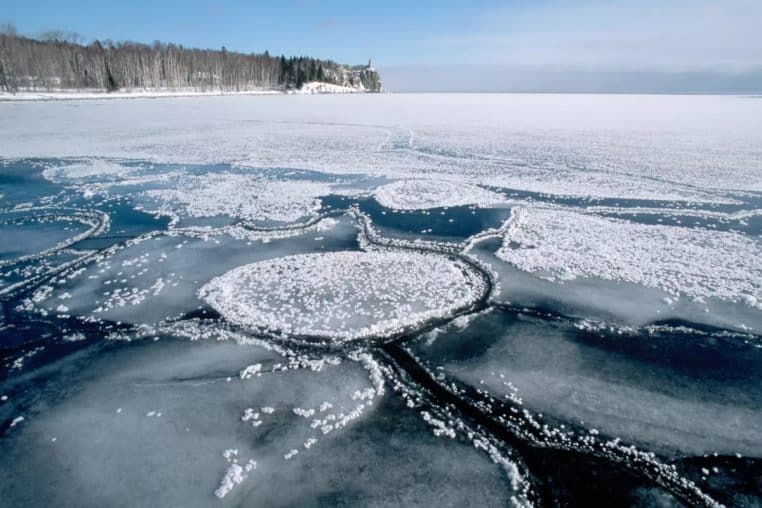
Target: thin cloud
point(327, 24)
point(683, 35)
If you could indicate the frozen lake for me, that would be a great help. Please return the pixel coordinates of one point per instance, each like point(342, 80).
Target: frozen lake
point(414, 299)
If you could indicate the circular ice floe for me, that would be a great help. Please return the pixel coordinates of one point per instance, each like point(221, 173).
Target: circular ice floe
point(419, 194)
point(344, 295)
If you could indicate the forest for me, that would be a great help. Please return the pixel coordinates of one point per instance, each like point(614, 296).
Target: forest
point(59, 61)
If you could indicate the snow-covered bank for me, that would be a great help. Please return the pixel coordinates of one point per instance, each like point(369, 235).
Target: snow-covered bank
point(313, 87)
point(66, 95)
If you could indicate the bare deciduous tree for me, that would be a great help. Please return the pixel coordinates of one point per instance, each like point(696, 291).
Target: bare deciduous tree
point(60, 61)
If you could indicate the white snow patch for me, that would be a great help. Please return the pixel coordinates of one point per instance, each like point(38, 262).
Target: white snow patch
point(235, 473)
point(304, 413)
point(251, 371)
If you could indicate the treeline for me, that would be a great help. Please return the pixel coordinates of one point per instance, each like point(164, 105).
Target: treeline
point(56, 64)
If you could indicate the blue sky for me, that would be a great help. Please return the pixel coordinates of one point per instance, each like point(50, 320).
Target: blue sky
point(548, 37)
point(350, 31)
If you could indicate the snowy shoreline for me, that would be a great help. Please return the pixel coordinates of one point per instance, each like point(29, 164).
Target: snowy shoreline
point(310, 88)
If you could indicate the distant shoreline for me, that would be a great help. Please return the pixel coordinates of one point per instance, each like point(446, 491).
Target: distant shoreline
point(28, 96)
point(66, 96)
point(312, 88)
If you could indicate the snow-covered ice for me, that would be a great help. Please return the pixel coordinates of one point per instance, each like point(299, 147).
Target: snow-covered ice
point(184, 279)
point(653, 147)
point(564, 245)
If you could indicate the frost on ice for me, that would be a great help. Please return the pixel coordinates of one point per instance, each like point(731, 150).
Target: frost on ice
point(89, 170)
point(246, 196)
point(179, 191)
point(418, 194)
point(564, 245)
point(344, 295)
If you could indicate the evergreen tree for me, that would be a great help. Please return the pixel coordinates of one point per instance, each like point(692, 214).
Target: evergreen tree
point(283, 70)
